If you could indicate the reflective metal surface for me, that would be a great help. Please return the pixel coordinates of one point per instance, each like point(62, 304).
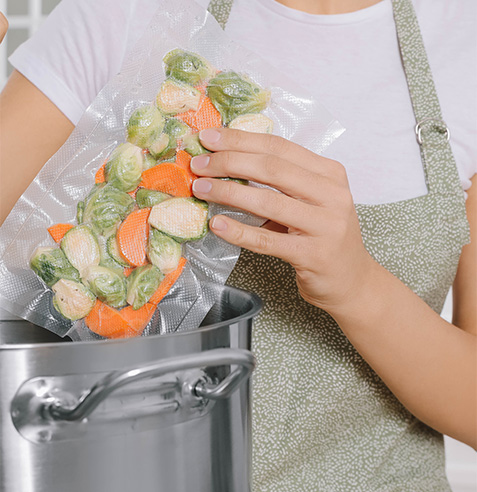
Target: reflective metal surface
point(163, 413)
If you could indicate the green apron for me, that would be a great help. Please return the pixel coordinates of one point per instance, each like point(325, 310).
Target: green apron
point(322, 418)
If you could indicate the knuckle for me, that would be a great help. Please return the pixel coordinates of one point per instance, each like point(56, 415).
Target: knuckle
point(274, 144)
point(263, 241)
point(270, 167)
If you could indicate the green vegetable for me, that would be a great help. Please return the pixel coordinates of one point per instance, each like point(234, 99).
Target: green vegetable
point(148, 198)
point(176, 97)
point(256, 123)
point(142, 284)
point(113, 250)
point(233, 94)
point(51, 265)
point(106, 259)
point(107, 285)
point(72, 299)
point(187, 67)
point(163, 251)
point(184, 219)
point(81, 247)
point(193, 146)
point(105, 207)
point(79, 212)
point(173, 130)
point(162, 147)
point(123, 169)
point(149, 162)
point(145, 126)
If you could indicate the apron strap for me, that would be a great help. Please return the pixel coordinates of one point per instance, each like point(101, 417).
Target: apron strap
point(431, 131)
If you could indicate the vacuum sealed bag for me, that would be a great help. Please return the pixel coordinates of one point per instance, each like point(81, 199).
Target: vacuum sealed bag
point(108, 241)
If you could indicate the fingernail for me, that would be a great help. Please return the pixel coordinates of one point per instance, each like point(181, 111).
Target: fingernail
point(201, 186)
point(200, 162)
point(218, 224)
point(209, 136)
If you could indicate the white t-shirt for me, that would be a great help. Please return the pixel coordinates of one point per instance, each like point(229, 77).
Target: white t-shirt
point(349, 62)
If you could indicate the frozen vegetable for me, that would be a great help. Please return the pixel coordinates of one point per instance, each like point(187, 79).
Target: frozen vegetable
point(148, 198)
point(124, 167)
point(145, 126)
point(255, 122)
point(51, 265)
point(188, 67)
point(177, 97)
point(106, 284)
point(132, 237)
point(163, 251)
point(142, 283)
point(72, 299)
point(81, 247)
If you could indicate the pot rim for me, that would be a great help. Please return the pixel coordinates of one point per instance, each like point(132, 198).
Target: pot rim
point(255, 308)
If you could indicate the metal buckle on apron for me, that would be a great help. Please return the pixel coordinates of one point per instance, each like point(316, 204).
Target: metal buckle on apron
point(438, 124)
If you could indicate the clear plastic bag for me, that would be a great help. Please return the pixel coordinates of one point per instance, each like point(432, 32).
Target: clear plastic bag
point(67, 178)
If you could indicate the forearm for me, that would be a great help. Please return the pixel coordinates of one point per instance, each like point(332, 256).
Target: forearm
point(429, 364)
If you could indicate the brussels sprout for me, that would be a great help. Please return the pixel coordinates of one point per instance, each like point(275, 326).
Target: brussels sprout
point(177, 97)
point(193, 146)
point(233, 94)
point(173, 130)
point(188, 67)
point(124, 168)
point(163, 251)
point(51, 265)
point(256, 123)
point(184, 219)
point(107, 285)
point(79, 212)
point(145, 125)
point(148, 198)
point(142, 284)
point(113, 251)
point(162, 147)
point(72, 299)
point(106, 259)
point(81, 247)
point(105, 206)
point(149, 162)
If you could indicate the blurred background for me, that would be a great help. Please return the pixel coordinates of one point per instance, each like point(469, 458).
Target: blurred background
point(25, 16)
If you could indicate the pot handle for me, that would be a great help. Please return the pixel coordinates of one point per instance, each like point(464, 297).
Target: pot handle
point(202, 389)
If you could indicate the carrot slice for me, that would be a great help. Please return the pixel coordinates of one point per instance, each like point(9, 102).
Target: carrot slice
point(57, 231)
point(169, 280)
point(206, 116)
point(128, 271)
point(183, 159)
point(100, 177)
point(106, 321)
point(169, 178)
point(133, 193)
point(137, 319)
point(132, 237)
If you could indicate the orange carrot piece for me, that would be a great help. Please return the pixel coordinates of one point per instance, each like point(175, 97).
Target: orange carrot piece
point(183, 158)
point(128, 271)
point(57, 231)
point(169, 280)
point(187, 117)
point(133, 193)
point(206, 116)
point(100, 177)
point(106, 321)
point(137, 319)
point(168, 178)
point(132, 237)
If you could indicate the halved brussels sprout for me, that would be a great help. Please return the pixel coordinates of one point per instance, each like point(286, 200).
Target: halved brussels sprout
point(148, 198)
point(193, 146)
point(124, 168)
point(81, 247)
point(162, 147)
point(106, 259)
point(79, 212)
point(149, 162)
point(72, 299)
point(51, 265)
point(144, 126)
point(142, 284)
point(184, 219)
point(233, 94)
point(255, 122)
point(107, 285)
point(187, 67)
point(176, 97)
point(113, 250)
point(163, 251)
point(173, 130)
point(105, 207)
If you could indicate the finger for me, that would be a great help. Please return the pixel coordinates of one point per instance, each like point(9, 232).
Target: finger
point(257, 239)
point(271, 170)
point(258, 201)
point(3, 26)
point(217, 139)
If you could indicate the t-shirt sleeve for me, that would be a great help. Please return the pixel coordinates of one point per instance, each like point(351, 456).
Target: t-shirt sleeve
point(76, 51)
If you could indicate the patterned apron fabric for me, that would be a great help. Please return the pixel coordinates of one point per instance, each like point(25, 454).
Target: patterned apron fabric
point(322, 419)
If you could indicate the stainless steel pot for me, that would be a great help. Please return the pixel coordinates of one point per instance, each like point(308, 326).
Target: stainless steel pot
point(167, 413)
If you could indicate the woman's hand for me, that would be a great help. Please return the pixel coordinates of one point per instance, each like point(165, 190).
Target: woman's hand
point(321, 237)
point(3, 26)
